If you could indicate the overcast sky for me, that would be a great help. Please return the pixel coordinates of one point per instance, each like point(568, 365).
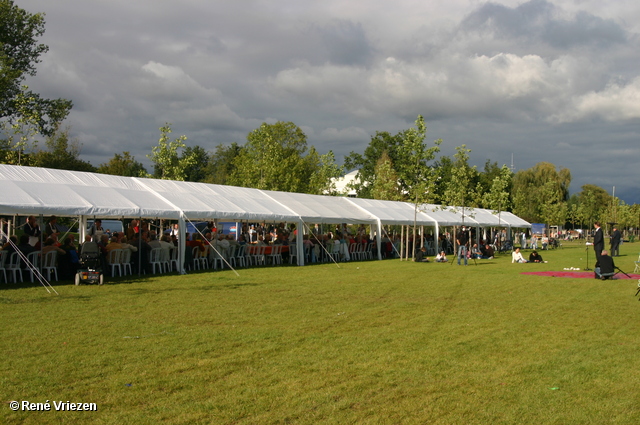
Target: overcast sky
point(555, 81)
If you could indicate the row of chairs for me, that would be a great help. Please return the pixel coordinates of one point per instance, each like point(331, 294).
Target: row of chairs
point(236, 256)
point(13, 265)
point(119, 260)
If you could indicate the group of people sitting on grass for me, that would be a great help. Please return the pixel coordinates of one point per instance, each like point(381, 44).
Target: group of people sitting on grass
point(534, 257)
point(484, 252)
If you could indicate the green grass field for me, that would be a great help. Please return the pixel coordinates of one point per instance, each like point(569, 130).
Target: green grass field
point(378, 342)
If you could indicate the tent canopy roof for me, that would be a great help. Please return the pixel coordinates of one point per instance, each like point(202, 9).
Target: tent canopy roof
point(32, 190)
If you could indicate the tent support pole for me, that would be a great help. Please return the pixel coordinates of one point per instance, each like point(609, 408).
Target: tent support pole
point(182, 243)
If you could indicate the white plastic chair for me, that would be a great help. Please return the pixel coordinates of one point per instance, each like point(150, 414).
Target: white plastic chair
point(240, 255)
point(50, 264)
point(3, 259)
point(216, 257)
point(258, 255)
point(173, 259)
point(332, 253)
point(13, 267)
point(362, 255)
point(34, 264)
point(276, 255)
point(248, 254)
point(353, 252)
point(125, 261)
point(369, 251)
point(293, 253)
point(231, 255)
point(199, 261)
point(155, 260)
point(115, 261)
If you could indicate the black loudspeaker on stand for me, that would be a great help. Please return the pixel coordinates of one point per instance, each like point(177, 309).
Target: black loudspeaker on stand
point(587, 268)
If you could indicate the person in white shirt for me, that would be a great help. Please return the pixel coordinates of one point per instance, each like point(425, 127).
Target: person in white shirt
point(516, 257)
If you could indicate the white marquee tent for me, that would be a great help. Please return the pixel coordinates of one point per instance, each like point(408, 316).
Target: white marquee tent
point(40, 191)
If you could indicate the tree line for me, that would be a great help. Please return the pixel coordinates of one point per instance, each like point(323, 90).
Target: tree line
point(401, 166)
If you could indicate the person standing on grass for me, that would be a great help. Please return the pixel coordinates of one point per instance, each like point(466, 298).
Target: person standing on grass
point(615, 242)
point(598, 240)
point(462, 239)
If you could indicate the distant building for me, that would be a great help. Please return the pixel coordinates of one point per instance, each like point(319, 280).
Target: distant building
point(342, 182)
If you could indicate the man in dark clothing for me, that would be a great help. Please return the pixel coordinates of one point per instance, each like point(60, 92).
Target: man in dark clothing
point(604, 267)
point(598, 240)
point(25, 248)
point(462, 245)
point(421, 255)
point(32, 229)
point(487, 252)
point(615, 242)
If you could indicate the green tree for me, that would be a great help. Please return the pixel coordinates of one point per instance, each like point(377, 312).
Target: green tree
point(21, 132)
point(366, 163)
point(168, 164)
point(460, 188)
point(275, 158)
point(417, 178)
point(385, 185)
point(123, 165)
point(536, 190)
point(197, 159)
point(553, 210)
point(61, 153)
point(625, 217)
point(573, 214)
point(408, 154)
point(321, 180)
point(220, 165)
point(593, 201)
point(497, 197)
point(19, 54)
point(443, 169)
point(485, 180)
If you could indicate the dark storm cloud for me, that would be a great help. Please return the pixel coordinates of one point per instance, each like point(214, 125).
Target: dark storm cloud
point(538, 21)
point(346, 43)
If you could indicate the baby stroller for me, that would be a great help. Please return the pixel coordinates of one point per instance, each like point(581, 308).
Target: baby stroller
point(90, 270)
point(506, 246)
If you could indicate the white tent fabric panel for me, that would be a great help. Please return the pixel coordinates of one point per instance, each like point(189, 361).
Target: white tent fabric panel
point(485, 218)
point(32, 190)
point(322, 209)
point(201, 200)
point(514, 220)
point(390, 212)
point(446, 216)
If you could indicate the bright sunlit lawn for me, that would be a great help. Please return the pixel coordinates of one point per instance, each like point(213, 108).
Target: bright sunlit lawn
point(377, 342)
